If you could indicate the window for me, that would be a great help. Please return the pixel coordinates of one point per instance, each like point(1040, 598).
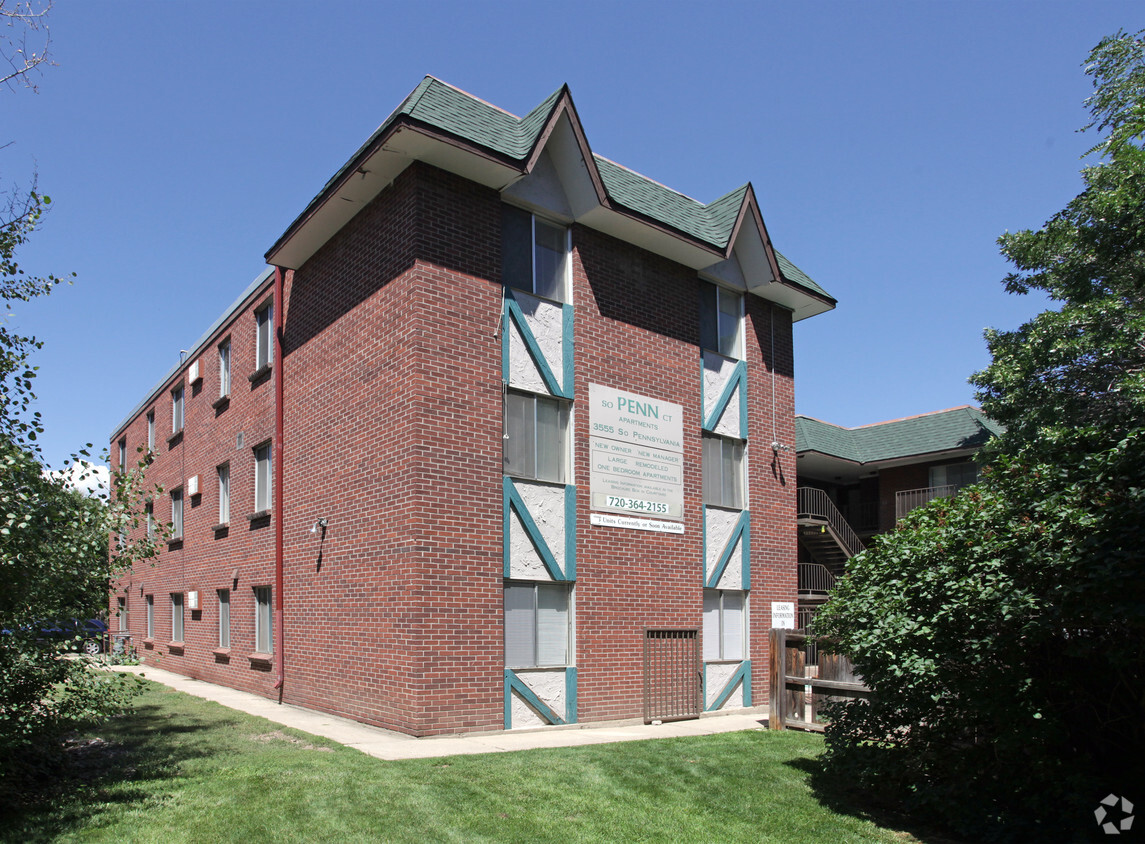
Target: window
point(150, 616)
point(536, 624)
point(151, 430)
point(721, 320)
point(225, 368)
point(263, 621)
point(723, 472)
point(534, 254)
point(177, 410)
point(264, 334)
point(536, 441)
point(176, 514)
point(224, 493)
point(123, 455)
point(224, 618)
point(149, 515)
point(176, 616)
point(121, 613)
point(262, 478)
point(954, 474)
point(724, 624)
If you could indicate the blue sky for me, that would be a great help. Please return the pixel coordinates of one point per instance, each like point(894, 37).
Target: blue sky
point(889, 145)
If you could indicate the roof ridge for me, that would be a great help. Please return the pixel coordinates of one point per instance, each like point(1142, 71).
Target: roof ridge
point(916, 416)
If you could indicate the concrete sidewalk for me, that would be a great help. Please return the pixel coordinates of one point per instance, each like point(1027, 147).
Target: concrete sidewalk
point(386, 744)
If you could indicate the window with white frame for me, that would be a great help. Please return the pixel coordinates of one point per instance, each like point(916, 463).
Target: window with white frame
point(121, 613)
point(224, 475)
point(150, 616)
point(176, 514)
point(224, 618)
point(123, 455)
point(225, 368)
point(535, 441)
point(149, 516)
point(151, 430)
point(534, 254)
point(536, 625)
point(264, 335)
point(262, 478)
point(176, 616)
point(725, 624)
point(723, 471)
point(263, 621)
point(177, 410)
point(721, 320)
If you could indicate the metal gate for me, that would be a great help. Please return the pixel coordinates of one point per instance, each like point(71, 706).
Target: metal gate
point(672, 671)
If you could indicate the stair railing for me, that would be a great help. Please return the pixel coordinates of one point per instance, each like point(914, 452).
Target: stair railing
point(815, 504)
point(814, 577)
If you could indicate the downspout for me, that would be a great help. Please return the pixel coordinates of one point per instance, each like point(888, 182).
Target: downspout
point(279, 307)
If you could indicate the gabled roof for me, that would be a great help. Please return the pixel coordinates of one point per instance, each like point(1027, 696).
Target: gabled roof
point(960, 428)
point(452, 129)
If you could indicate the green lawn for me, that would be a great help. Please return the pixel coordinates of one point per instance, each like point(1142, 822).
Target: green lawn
point(185, 769)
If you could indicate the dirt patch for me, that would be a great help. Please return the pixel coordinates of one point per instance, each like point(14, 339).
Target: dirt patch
point(279, 735)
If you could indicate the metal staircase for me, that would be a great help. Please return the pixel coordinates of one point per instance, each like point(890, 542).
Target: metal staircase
point(824, 533)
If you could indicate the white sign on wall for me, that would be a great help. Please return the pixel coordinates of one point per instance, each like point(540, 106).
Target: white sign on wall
point(783, 615)
point(636, 446)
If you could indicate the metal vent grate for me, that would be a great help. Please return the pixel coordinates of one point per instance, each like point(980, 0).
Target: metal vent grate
point(672, 671)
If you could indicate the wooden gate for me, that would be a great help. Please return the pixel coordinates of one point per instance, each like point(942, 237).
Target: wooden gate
point(672, 675)
point(798, 694)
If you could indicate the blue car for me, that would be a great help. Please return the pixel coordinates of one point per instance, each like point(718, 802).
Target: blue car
point(87, 635)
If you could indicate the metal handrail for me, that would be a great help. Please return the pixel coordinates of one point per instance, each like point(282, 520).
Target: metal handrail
point(814, 577)
point(908, 499)
point(814, 503)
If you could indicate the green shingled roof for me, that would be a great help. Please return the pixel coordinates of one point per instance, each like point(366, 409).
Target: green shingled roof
point(451, 110)
point(945, 430)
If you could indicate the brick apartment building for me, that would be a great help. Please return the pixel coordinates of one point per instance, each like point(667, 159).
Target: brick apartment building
point(502, 439)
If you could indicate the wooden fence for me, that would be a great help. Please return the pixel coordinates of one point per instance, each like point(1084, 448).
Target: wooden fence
point(798, 694)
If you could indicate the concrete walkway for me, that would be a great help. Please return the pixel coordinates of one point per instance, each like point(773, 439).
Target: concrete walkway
point(386, 744)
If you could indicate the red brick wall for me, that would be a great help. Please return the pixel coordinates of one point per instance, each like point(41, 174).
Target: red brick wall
point(206, 559)
point(393, 434)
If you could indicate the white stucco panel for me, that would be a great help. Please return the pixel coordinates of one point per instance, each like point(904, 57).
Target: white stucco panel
point(718, 370)
point(732, 578)
point(718, 527)
point(548, 684)
point(718, 675)
point(546, 506)
point(728, 426)
point(546, 321)
point(523, 372)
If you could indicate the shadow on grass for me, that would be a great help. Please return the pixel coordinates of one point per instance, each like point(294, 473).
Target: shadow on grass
point(842, 798)
point(65, 788)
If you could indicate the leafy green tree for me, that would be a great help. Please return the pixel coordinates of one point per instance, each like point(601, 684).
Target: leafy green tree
point(1002, 629)
point(54, 545)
